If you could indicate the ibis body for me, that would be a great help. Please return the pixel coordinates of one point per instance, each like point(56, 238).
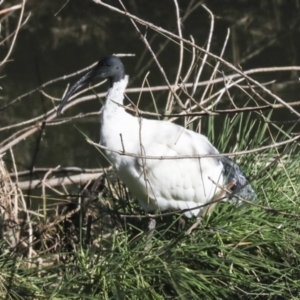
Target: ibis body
point(166, 167)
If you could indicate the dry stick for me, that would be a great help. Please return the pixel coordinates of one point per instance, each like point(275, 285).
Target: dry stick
point(140, 94)
point(142, 149)
point(134, 90)
point(176, 116)
point(191, 98)
point(65, 77)
point(15, 36)
point(44, 197)
point(170, 96)
point(225, 89)
point(16, 204)
point(66, 180)
point(48, 117)
point(211, 30)
point(215, 68)
point(220, 93)
point(55, 171)
point(188, 11)
point(156, 60)
point(144, 170)
point(239, 87)
point(51, 98)
point(9, 9)
point(52, 188)
point(184, 89)
point(11, 34)
point(15, 135)
point(55, 122)
point(67, 215)
point(120, 152)
point(28, 221)
point(160, 29)
point(52, 114)
point(202, 101)
point(256, 94)
point(69, 119)
point(283, 104)
point(188, 73)
point(228, 93)
point(138, 90)
point(70, 104)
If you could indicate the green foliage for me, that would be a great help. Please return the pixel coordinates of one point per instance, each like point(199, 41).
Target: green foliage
point(244, 252)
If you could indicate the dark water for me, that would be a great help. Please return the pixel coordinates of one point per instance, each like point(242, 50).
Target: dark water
point(54, 43)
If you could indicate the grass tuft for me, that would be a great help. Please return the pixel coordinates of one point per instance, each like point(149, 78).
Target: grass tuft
point(240, 252)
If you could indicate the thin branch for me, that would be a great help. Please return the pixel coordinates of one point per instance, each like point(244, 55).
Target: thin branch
point(66, 180)
point(144, 39)
point(12, 33)
point(224, 62)
point(256, 150)
point(215, 68)
point(10, 9)
point(146, 89)
point(15, 35)
point(56, 171)
point(212, 23)
point(171, 97)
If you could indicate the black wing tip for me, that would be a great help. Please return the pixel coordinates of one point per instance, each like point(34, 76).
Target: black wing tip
point(243, 187)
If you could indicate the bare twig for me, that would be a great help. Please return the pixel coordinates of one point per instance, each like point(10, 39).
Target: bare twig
point(55, 171)
point(256, 150)
point(52, 182)
point(144, 39)
point(10, 9)
point(4, 60)
point(224, 62)
point(212, 23)
point(170, 96)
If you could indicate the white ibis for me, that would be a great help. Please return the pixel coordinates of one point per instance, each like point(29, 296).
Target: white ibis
point(160, 184)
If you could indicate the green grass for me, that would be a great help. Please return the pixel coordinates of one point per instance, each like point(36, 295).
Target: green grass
point(244, 252)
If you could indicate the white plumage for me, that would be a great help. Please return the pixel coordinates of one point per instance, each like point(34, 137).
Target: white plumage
point(159, 184)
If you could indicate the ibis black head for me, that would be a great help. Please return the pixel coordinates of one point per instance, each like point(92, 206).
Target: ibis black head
point(109, 67)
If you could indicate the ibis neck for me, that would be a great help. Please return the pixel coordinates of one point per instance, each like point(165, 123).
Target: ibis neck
point(115, 96)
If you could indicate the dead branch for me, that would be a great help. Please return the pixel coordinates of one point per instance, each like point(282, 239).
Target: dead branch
point(64, 180)
point(216, 57)
point(57, 171)
point(256, 150)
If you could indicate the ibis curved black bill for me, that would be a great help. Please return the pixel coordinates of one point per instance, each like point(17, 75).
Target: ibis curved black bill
point(109, 67)
point(76, 87)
